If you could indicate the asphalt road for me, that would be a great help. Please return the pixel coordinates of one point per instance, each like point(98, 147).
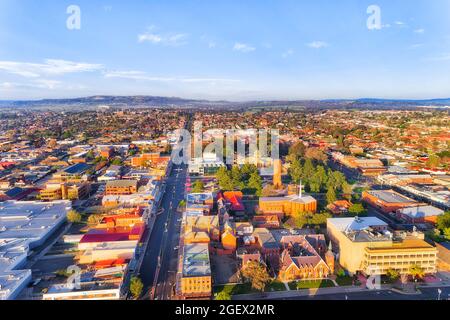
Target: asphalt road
point(159, 264)
point(426, 294)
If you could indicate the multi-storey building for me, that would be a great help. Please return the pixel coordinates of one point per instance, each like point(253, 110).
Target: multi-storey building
point(366, 245)
point(121, 187)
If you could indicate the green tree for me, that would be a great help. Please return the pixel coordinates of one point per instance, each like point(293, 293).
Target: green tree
point(136, 287)
point(257, 274)
point(331, 195)
point(255, 183)
point(347, 191)
point(357, 209)
point(237, 178)
point(74, 217)
point(296, 151)
point(308, 171)
point(117, 162)
point(443, 221)
point(296, 171)
point(198, 186)
point(223, 296)
point(247, 170)
point(224, 180)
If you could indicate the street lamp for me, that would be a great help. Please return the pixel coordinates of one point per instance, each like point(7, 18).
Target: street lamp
point(439, 294)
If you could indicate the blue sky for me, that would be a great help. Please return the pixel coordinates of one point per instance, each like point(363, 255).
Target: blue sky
point(225, 49)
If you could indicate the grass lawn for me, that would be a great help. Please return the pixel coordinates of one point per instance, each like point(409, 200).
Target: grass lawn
point(234, 289)
point(310, 284)
point(275, 286)
point(344, 281)
point(245, 288)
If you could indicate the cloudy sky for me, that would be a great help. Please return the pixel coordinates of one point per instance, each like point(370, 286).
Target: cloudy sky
point(225, 49)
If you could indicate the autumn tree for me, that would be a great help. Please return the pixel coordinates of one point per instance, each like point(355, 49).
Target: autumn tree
point(74, 217)
point(256, 273)
point(223, 296)
point(416, 272)
point(393, 275)
point(136, 287)
point(198, 186)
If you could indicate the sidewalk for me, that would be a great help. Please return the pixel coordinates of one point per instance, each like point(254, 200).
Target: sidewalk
point(304, 293)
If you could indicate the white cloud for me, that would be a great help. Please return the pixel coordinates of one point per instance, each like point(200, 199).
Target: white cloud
point(243, 47)
point(168, 39)
point(212, 44)
point(49, 67)
point(36, 84)
point(140, 75)
point(442, 57)
point(288, 53)
point(419, 31)
point(317, 44)
point(416, 45)
point(401, 24)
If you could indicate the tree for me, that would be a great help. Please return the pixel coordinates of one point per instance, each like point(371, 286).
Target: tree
point(297, 221)
point(296, 151)
point(74, 217)
point(393, 275)
point(255, 183)
point(318, 180)
point(443, 221)
point(94, 219)
point(319, 218)
point(416, 272)
point(224, 180)
point(236, 177)
point(247, 170)
point(433, 161)
point(316, 154)
point(223, 296)
point(117, 162)
point(198, 186)
point(308, 171)
point(357, 209)
point(296, 171)
point(136, 287)
point(331, 195)
point(347, 191)
point(257, 274)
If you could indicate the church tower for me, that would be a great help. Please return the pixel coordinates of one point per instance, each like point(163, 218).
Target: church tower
point(277, 172)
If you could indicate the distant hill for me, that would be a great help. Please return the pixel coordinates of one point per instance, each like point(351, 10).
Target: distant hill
point(155, 101)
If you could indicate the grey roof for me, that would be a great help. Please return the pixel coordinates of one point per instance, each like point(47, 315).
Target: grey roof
point(196, 261)
point(122, 183)
point(390, 196)
point(421, 211)
point(353, 224)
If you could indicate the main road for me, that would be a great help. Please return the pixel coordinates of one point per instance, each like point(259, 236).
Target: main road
point(159, 266)
point(442, 293)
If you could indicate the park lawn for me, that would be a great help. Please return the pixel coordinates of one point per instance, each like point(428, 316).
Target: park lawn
point(310, 284)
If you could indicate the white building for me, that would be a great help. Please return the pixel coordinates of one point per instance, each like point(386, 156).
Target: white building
point(24, 226)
